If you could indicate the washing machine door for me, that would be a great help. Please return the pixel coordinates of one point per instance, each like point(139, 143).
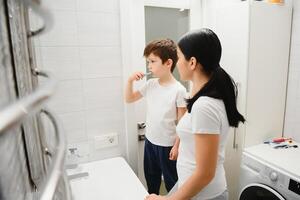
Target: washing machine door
point(259, 192)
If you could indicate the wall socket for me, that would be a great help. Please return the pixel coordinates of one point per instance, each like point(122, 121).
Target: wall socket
point(105, 141)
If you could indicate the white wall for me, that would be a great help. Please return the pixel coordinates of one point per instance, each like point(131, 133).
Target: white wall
point(292, 117)
point(83, 51)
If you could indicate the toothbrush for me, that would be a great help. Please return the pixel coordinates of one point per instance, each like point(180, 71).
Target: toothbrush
point(148, 73)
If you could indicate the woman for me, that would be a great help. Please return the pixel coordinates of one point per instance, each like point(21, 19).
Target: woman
point(203, 130)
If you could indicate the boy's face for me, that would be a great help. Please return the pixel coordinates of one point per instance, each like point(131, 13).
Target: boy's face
point(155, 65)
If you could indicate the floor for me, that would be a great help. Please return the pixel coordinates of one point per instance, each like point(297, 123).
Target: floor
point(162, 190)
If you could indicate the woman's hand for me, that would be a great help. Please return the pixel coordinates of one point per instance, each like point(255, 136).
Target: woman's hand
point(155, 197)
point(173, 153)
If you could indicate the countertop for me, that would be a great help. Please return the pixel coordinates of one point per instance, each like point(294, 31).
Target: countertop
point(109, 179)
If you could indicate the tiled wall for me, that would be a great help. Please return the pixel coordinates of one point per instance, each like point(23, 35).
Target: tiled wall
point(83, 51)
point(292, 118)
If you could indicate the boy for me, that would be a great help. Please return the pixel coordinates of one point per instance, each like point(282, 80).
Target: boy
point(165, 106)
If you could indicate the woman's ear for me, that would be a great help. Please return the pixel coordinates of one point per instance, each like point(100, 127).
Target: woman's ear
point(193, 63)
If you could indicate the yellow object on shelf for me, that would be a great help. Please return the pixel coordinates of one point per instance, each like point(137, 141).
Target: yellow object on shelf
point(276, 1)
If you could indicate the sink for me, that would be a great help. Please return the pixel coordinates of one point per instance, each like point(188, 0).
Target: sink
point(75, 171)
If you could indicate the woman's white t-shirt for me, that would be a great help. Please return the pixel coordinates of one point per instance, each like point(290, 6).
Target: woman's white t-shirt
point(161, 117)
point(208, 116)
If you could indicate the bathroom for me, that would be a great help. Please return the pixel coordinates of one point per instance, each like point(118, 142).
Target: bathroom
point(91, 47)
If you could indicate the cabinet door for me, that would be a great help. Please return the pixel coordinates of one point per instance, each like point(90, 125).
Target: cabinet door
point(269, 45)
point(232, 25)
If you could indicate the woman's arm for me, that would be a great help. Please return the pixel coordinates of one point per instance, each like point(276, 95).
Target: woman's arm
point(206, 148)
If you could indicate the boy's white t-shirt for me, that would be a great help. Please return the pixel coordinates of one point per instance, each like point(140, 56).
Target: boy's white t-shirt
point(208, 116)
point(161, 116)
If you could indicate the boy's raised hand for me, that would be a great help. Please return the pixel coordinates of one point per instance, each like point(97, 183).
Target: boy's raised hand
point(136, 76)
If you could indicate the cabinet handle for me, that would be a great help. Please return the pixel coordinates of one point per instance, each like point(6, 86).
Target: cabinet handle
point(234, 144)
point(141, 125)
point(141, 137)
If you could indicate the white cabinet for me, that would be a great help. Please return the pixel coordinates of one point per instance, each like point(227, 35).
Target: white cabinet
point(255, 37)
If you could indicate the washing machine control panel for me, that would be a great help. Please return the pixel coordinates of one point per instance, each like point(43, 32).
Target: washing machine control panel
point(273, 176)
point(294, 186)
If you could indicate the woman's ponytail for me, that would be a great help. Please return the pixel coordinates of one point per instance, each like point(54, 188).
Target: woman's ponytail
point(205, 46)
point(221, 86)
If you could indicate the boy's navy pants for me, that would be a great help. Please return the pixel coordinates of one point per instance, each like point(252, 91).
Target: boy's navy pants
point(157, 163)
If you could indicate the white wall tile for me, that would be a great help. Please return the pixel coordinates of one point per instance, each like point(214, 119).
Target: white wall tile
point(63, 70)
point(98, 5)
point(61, 5)
point(100, 61)
point(104, 121)
point(63, 32)
point(98, 29)
point(83, 52)
point(103, 93)
point(74, 126)
point(101, 154)
point(76, 135)
point(63, 53)
point(69, 97)
point(63, 62)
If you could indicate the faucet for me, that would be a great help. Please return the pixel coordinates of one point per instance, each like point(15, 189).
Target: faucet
point(72, 150)
point(73, 155)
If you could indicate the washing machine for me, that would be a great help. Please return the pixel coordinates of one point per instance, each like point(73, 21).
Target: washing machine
point(270, 174)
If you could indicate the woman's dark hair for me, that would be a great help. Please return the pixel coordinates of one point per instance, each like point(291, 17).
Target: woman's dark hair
point(205, 46)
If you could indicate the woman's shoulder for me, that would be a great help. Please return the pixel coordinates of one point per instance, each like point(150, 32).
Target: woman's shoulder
point(209, 103)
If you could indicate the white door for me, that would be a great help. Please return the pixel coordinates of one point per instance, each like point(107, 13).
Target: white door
point(133, 40)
